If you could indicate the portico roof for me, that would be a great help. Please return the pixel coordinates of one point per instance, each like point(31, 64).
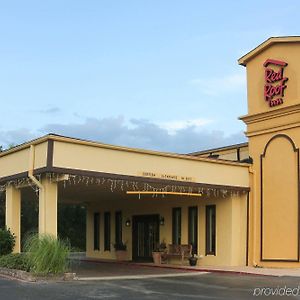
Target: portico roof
point(65, 155)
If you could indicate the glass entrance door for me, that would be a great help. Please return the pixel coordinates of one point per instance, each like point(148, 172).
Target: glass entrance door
point(145, 236)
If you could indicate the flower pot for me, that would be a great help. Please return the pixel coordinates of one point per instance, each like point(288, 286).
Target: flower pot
point(156, 257)
point(193, 261)
point(121, 255)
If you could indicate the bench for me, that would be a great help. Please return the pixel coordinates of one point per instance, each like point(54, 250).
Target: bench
point(181, 251)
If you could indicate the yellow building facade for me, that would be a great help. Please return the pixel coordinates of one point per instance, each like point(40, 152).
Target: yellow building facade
point(237, 205)
point(274, 136)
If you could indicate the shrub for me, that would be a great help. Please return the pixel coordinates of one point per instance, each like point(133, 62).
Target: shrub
point(120, 246)
point(7, 242)
point(47, 254)
point(14, 261)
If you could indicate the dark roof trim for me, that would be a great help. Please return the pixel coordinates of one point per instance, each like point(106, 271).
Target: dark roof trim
point(122, 177)
point(235, 146)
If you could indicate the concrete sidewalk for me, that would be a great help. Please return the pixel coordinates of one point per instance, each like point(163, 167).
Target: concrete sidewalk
point(239, 270)
point(279, 272)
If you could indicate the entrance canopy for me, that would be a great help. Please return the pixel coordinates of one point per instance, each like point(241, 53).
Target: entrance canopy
point(96, 163)
point(71, 170)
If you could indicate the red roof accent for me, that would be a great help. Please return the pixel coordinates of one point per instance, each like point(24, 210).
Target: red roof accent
point(274, 62)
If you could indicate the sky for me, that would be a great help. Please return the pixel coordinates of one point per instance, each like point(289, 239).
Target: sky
point(159, 74)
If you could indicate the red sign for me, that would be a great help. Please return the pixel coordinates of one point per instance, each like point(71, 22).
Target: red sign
point(274, 81)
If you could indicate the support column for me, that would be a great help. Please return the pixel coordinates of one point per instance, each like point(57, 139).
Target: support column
point(48, 208)
point(13, 214)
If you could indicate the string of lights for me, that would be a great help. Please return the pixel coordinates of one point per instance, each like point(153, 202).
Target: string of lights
point(124, 185)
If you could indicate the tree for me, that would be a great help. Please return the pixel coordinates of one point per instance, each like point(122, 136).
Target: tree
point(72, 224)
point(71, 221)
point(2, 211)
point(7, 241)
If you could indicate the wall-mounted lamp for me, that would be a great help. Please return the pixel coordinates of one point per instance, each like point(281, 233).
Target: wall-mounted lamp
point(162, 221)
point(127, 223)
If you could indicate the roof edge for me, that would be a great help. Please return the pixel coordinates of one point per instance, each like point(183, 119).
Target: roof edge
point(229, 147)
point(61, 138)
point(264, 45)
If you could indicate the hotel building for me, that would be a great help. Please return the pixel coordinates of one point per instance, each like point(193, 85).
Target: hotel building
point(236, 205)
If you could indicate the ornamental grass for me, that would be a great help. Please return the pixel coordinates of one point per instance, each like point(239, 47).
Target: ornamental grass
point(47, 254)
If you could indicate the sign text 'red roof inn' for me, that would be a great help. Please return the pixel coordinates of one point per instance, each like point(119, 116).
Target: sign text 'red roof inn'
point(274, 81)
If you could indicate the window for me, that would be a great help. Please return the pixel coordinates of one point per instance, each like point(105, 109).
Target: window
point(96, 231)
point(107, 231)
point(176, 226)
point(118, 227)
point(211, 230)
point(193, 228)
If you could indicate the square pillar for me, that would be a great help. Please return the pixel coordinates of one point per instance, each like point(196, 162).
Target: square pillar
point(48, 207)
point(13, 214)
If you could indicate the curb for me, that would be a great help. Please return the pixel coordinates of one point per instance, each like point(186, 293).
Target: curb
point(210, 270)
point(28, 277)
point(180, 268)
point(17, 274)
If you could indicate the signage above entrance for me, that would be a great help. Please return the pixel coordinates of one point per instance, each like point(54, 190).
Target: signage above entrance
point(166, 176)
point(274, 81)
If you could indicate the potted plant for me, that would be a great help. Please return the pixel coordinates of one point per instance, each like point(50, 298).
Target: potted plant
point(121, 251)
point(193, 259)
point(158, 252)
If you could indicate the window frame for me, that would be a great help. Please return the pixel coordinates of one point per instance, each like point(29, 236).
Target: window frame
point(96, 231)
point(176, 232)
point(210, 235)
point(195, 228)
point(107, 230)
point(118, 227)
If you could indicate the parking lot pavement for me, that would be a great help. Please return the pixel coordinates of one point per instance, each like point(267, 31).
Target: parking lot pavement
point(85, 269)
point(204, 286)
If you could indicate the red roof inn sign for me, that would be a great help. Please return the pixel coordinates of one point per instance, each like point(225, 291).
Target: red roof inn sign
point(274, 81)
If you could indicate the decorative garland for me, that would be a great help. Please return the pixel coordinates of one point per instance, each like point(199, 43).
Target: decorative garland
point(123, 185)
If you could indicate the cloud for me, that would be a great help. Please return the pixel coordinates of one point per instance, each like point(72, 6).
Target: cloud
point(185, 136)
point(15, 137)
point(173, 126)
point(219, 85)
point(51, 110)
point(180, 137)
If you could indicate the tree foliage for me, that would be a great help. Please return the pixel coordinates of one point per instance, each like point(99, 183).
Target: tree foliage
point(7, 241)
point(2, 210)
point(71, 221)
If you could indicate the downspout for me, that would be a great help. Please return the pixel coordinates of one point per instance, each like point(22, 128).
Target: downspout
point(32, 177)
point(253, 172)
point(31, 168)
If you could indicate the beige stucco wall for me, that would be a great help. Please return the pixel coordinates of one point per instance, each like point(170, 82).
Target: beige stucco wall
point(231, 225)
point(13, 165)
point(280, 198)
point(277, 184)
point(280, 201)
point(15, 162)
point(288, 52)
point(40, 155)
point(13, 214)
point(117, 161)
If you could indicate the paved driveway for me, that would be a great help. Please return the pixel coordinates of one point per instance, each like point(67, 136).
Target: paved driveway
point(89, 270)
point(198, 286)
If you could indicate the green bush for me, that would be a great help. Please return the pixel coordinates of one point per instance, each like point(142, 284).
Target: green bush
point(47, 254)
point(14, 261)
point(7, 242)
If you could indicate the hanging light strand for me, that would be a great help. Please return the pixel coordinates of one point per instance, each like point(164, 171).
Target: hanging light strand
point(125, 185)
